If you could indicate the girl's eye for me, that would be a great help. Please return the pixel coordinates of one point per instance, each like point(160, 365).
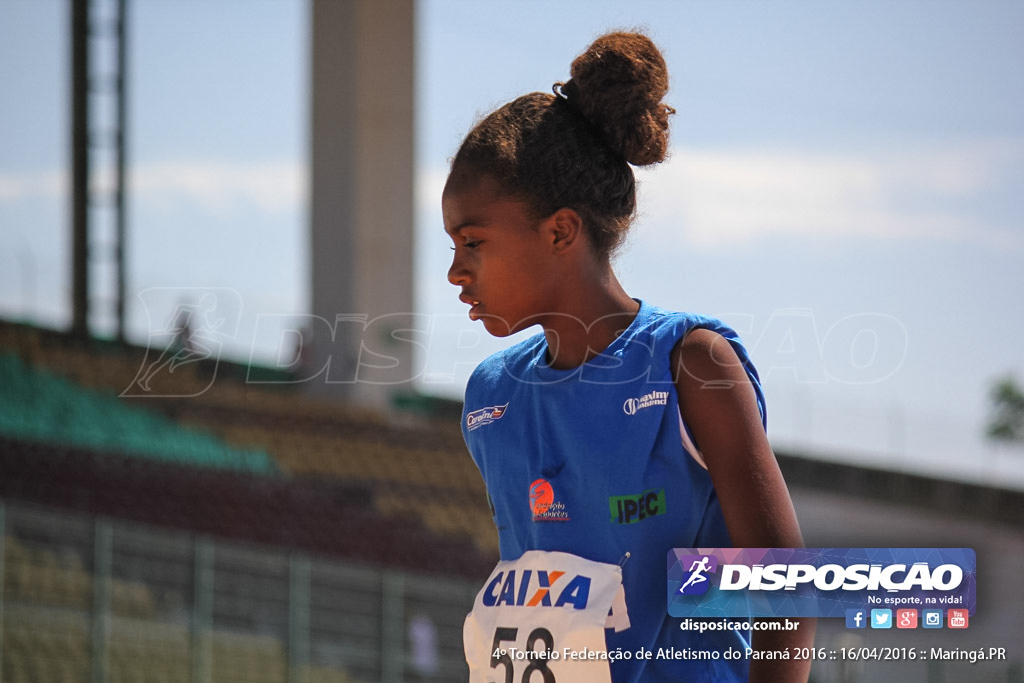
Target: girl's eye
point(472, 244)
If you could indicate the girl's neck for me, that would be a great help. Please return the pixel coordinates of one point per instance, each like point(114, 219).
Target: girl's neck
point(588, 322)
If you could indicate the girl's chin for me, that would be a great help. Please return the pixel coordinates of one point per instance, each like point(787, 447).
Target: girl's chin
point(495, 326)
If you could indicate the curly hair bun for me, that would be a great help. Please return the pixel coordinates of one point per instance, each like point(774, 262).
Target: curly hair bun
point(618, 84)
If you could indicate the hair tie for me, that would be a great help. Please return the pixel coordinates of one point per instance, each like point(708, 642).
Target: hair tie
point(565, 90)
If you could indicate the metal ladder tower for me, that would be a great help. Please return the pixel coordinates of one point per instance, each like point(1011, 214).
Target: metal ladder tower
point(98, 105)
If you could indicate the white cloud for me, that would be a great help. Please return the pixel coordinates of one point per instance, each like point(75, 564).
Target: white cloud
point(222, 187)
point(715, 197)
point(218, 187)
point(17, 186)
point(700, 197)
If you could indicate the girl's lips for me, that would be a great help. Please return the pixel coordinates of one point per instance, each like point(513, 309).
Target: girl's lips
point(473, 304)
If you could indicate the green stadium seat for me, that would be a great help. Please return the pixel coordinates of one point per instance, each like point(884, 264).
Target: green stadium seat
point(39, 406)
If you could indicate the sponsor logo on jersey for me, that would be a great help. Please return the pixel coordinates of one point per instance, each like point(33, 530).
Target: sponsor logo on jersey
point(484, 416)
point(543, 504)
point(655, 398)
point(536, 588)
point(636, 508)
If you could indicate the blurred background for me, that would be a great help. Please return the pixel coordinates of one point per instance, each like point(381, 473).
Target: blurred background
point(231, 365)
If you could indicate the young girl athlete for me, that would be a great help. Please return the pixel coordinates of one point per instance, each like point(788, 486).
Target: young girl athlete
point(622, 430)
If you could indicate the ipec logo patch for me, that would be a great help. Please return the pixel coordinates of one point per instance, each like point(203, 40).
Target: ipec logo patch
point(696, 580)
point(636, 508)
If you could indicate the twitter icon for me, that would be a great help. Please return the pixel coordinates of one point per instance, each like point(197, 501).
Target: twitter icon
point(881, 618)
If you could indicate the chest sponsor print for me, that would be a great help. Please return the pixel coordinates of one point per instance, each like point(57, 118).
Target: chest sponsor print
point(635, 508)
point(633, 405)
point(484, 416)
point(543, 504)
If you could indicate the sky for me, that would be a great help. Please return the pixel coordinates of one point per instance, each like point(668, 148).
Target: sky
point(844, 188)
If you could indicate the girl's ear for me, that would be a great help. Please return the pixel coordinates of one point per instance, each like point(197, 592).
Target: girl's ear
point(564, 229)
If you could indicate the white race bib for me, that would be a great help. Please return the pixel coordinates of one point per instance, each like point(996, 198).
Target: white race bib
point(541, 619)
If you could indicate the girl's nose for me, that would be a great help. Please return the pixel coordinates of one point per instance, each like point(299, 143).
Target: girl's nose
point(457, 273)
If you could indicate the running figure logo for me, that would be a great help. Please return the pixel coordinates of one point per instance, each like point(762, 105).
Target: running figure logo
point(696, 581)
point(192, 336)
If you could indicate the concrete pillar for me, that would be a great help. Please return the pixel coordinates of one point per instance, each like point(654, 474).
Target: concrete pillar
point(361, 208)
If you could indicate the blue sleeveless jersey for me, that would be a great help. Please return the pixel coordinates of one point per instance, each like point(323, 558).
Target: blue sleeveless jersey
point(591, 461)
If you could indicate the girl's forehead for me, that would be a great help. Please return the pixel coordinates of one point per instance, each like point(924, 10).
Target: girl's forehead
point(479, 189)
point(478, 204)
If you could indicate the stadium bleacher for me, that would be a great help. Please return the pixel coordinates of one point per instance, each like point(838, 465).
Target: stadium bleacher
point(269, 465)
point(261, 464)
point(38, 406)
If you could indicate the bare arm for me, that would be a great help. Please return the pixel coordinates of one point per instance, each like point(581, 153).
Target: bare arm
point(718, 403)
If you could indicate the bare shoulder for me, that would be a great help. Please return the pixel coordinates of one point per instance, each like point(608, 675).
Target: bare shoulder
point(704, 359)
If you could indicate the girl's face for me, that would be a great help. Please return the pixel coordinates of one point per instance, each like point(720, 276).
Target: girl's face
point(501, 259)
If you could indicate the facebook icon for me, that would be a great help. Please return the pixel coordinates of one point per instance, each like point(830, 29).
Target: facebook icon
point(856, 618)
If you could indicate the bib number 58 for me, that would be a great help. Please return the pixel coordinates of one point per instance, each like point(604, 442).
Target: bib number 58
point(538, 659)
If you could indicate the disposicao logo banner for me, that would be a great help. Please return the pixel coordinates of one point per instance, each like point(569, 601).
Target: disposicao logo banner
point(816, 582)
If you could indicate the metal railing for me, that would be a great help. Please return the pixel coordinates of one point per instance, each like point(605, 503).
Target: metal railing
point(98, 600)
